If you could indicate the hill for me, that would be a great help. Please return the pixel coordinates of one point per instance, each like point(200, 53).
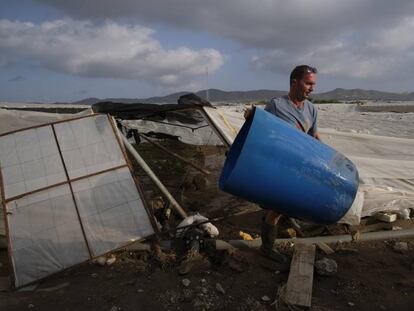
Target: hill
point(216, 95)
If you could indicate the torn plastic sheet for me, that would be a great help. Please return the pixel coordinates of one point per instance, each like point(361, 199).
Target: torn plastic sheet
point(208, 227)
point(55, 222)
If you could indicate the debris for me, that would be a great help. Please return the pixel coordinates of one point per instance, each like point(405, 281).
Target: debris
point(325, 248)
point(101, 261)
point(400, 247)
point(185, 282)
point(208, 227)
point(404, 214)
point(163, 258)
point(245, 236)
point(111, 260)
point(220, 288)
point(300, 281)
point(94, 275)
point(290, 233)
point(265, 298)
point(326, 266)
point(194, 262)
point(386, 217)
point(355, 235)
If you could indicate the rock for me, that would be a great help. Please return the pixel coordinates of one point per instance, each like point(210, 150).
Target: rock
point(204, 290)
point(101, 261)
point(265, 298)
point(351, 304)
point(188, 294)
point(220, 289)
point(114, 308)
point(30, 306)
point(94, 275)
point(400, 247)
point(326, 266)
point(110, 261)
point(185, 282)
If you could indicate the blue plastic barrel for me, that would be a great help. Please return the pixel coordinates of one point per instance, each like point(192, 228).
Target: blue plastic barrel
point(273, 164)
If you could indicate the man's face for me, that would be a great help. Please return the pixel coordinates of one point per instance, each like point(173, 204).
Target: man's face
point(303, 87)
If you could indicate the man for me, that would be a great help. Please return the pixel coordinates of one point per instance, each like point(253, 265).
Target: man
point(297, 110)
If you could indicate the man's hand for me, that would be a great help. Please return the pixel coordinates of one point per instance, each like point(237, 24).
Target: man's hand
point(248, 112)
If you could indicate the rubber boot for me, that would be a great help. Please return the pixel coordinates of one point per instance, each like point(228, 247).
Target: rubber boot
point(269, 234)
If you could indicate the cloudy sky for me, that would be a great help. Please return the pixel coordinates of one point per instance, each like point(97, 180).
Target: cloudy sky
point(60, 50)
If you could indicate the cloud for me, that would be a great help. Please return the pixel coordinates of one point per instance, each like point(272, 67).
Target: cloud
point(383, 54)
point(350, 38)
point(270, 24)
point(107, 50)
point(17, 79)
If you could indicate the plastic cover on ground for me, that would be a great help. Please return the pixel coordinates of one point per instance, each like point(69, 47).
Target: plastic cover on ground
point(44, 228)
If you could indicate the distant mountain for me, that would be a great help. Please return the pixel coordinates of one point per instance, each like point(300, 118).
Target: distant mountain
point(215, 95)
point(359, 94)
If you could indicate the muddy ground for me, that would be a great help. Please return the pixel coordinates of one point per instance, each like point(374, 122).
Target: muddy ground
point(370, 276)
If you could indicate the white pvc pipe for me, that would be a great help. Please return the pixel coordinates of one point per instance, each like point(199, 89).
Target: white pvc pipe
point(379, 235)
point(153, 177)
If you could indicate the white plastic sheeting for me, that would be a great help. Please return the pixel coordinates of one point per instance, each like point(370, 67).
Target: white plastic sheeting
point(45, 234)
point(385, 164)
point(30, 160)
point(88, 147)
point(45, 227)
point(111, 210)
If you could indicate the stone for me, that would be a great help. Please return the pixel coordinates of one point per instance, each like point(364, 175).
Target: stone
point(265, 298)
point(101, 261)
point(351, 304)
point(185, 282)
point(326, 267)
point(114, 308)
point(30, 306)
point(110, 261)
point(204, 290)
point(400, 247)
point(220, 289)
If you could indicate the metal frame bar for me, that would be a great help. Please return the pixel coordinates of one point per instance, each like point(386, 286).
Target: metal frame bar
point(65, 182)
point(6, 225)
point(48, 124)
point(73, 194)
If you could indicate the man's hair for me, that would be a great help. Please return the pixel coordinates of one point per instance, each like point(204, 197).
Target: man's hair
point(299, 71)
